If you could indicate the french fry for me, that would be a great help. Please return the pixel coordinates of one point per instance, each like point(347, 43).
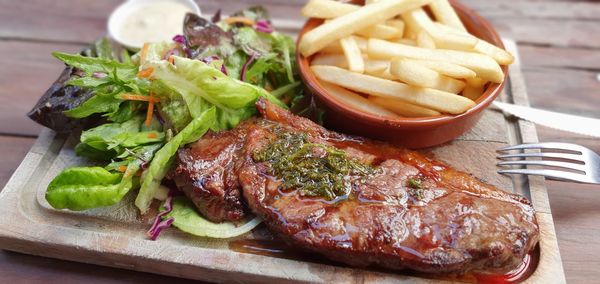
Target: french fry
point(356, 101)
point(424, 40)
point(383, 74)
point(415, 74)
point(403, 108)
point(448, 69)
point(327, 9)
point(418, 18)
point(474, 89)
point(335, 47)
point(396, 23)
point(352, 54)
point(429, 98)
point(476, 82)
point(444, 13)
point(346, 25)
point(374, 66)
point(483, 65)
point(502, 56)
point(338, 60)
point(407, 41)
point(368, 2)
point(411, 30)
point(381, 31)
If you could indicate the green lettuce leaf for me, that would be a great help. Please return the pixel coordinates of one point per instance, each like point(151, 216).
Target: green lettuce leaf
point(89, 65)
point(201, 87)
point(107, 78)
point(82, 188)
point(160, 165)
point(99, 103)
point(187, 219)
point(110, 140)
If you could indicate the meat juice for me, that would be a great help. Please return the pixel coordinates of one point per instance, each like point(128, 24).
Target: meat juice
point(279, 249)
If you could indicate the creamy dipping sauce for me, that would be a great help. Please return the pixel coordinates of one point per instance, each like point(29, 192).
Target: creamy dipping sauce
point(152, 21)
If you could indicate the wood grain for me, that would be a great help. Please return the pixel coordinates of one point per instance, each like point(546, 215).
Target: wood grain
point(13, 150)
point(35, 269)
point(25, 75)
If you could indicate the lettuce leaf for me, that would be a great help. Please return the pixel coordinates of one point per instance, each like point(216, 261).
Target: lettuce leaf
point(82, 188)
point(188, 220)
point(110, 140)
point(107, 78)
point(160, 165)
point(201, 87)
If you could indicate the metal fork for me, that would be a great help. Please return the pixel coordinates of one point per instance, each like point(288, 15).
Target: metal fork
point(583, 162)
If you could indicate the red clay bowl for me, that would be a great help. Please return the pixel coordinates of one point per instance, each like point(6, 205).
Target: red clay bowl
point(409, 132)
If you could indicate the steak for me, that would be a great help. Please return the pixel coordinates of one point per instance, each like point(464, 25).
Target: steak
point(385, 206)
point(206, 175)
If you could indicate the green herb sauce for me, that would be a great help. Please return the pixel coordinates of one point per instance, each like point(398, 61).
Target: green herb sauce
point(315, 170)
point(416, 186)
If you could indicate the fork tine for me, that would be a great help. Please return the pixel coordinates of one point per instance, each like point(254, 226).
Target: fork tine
point(563, 165)
point(573, 157)
point(553, 174)
point(557, 146)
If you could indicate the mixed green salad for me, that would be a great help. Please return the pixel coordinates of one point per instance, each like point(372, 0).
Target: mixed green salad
point(163, 97)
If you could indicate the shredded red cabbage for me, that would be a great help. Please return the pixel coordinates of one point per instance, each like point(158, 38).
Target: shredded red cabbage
point(246, 66)
point(158, 225)
point(153, 234)
point(183, 42)
point(264, 26)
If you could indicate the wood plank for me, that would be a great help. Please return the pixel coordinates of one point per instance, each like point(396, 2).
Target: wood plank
point(566, 58)
point(13, 150)
point(75, 21)
point(21, 268)
point(564, 10)
point(570, 91)
point(576, 214)
point(564, 33)
point(24, 76)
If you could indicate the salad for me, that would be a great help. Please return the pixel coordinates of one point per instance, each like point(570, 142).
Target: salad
point(145, 106)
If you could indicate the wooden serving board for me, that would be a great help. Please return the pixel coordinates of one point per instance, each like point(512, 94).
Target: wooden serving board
point(115, 236)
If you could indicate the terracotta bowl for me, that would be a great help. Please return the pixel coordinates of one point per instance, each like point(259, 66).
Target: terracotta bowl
point(409, 132)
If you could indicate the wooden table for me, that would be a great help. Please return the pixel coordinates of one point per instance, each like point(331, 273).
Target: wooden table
point(558, 42)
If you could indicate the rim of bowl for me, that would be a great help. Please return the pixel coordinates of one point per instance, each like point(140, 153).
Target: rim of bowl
point(116, 18)
point(490, 94)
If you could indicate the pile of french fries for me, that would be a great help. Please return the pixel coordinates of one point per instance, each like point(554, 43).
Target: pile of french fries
point(391, 58)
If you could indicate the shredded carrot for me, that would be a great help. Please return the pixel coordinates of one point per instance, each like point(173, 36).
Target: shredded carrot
point(122, 169)
point(241, 20)
point(172, 59)
point(132, 97)
point(143, 53)
point(146, 72)
point(152, 135)
point(150, 111)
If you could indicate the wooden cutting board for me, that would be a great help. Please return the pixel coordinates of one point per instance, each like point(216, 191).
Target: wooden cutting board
point(115, 236)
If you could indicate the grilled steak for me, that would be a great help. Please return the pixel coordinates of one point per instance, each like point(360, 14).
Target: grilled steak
point(366, 203)
point(205, 174)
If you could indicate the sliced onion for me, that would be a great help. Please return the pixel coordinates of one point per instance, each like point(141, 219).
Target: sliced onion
point(188, 220)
